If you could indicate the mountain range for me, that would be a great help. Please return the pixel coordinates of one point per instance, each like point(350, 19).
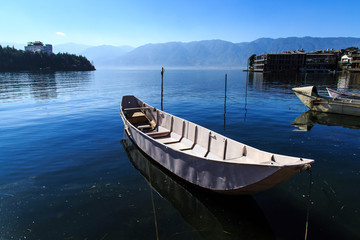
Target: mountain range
point(207, 53)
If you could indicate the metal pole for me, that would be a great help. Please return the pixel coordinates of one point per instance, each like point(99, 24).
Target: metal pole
point(162, 87)
point(225, 102)
point(246, 89)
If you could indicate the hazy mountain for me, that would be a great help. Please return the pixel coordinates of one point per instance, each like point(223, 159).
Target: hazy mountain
point(207, 53)
point(177, 54)
point(72, 48)
point(218, 53)
point(269, 45)
point(105, 53)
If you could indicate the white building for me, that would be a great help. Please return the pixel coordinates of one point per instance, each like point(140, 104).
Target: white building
point(346, 59)
point(39, 47)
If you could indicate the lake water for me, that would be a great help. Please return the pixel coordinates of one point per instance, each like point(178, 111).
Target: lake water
point(67, 171)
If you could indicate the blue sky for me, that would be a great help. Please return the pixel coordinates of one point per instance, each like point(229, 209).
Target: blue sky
point(138, 22)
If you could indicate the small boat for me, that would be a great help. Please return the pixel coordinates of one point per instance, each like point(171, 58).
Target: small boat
point(203, 157)
point(230, 217)
point(340, 94)
point(309, 96)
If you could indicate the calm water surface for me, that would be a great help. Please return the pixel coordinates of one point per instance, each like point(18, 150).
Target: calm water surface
point(68, 172)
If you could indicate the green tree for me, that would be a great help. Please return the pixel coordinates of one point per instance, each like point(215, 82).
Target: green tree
point(251, 60)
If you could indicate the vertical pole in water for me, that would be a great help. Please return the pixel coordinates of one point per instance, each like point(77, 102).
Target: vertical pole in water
point(162, 86)
point(246, 88)
point(225, 101)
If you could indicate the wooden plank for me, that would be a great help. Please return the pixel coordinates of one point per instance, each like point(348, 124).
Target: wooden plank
point(158, 134)
point(135, 108)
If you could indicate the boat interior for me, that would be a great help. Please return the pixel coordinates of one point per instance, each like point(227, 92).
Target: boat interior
point(190, 138)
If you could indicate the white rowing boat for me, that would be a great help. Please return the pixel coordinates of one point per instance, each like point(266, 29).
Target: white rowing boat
point(202, 157)
point(238, 216)
point(340, 94)
point(312, 100)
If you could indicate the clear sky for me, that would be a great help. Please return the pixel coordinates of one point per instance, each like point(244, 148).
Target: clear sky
point(137, 22)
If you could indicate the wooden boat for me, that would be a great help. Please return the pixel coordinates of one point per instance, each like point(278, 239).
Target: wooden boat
point(202, 157)
point(311, 99)
point(237, 216)
point(340, 94)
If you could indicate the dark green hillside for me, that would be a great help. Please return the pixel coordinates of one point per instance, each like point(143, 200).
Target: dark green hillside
point(12, 59)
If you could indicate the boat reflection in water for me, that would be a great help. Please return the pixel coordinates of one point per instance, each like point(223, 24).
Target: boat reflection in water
point(212, 215)
point(307, 120)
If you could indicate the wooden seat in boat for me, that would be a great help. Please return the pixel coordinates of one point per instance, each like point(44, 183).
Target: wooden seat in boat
point(138, 118)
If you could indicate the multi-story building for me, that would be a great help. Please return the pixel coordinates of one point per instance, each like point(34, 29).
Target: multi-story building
point(320, 62)
point(39, 47)
point(275, 62)
point(294, 61)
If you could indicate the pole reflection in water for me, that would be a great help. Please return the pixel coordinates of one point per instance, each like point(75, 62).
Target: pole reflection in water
point(213, 216)
point(246, 89)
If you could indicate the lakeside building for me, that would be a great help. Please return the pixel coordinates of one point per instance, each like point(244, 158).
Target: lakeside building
point(355, 63)
point(320, 62)
point(295, 61)
point(350, 61)
point(346, 60)
point(273, 62)
point(39, 47)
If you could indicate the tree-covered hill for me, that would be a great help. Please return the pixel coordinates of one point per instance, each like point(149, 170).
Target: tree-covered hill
point(12, 59)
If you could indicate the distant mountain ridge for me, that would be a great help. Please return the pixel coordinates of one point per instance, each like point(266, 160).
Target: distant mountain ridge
point(218, 53)
point(202, 53)
point(100, 55)
point(72, 48)
point(267, 45)
point(206, 53)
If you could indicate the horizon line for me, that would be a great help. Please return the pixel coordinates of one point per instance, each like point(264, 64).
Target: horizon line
point(154, 43)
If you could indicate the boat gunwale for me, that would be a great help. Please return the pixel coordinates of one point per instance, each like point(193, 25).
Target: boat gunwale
point(331, 100)
point(342, 94)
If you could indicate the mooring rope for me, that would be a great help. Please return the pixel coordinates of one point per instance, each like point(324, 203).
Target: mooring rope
point(309, 203)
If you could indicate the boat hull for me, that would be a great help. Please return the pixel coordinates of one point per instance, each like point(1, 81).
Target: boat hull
point(222, 177)
point(219, 175)
point(327, 104)
point(201, 208)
